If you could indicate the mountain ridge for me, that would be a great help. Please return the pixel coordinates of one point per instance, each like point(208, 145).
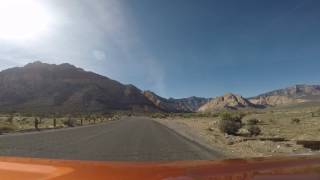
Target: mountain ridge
point(289, 95)
point(65, 87)
point(190, 104)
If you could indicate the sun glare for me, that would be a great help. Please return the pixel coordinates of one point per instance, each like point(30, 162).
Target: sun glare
point(22, 19)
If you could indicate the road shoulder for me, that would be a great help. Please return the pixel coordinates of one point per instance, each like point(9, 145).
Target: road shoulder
point(191, 135)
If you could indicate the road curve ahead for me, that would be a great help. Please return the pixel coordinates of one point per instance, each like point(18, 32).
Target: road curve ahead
point(128, 139)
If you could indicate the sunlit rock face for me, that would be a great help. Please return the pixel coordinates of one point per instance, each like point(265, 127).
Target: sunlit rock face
point(275, 100)
point(227, 101)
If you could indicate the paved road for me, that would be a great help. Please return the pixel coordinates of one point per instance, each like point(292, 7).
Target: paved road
point(129, 139)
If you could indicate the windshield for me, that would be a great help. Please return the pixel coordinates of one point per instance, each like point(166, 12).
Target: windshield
point(160, 80)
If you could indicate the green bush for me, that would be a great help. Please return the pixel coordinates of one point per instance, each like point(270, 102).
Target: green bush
point(230, 123)
point(254, 130)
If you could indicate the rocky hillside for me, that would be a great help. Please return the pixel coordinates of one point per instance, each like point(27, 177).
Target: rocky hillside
point(290, 95)
point(65, 88)
point(190, 104)
point(228, 101)
point(275, 100)
point(296, 91)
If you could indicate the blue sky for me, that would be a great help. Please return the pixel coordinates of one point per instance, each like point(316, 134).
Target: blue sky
point(181, 48)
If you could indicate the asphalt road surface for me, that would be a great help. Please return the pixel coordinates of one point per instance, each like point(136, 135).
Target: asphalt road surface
point(128, 139)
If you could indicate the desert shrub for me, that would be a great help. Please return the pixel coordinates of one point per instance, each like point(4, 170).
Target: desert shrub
point(295, 121)
point(254, 130)
point(230, 123)
point(7, 128)
point(70, 122)
point(54, 122)
point(232, 116)
point(159, 115)
point(210, 129)
point(215, 114)
point(203, 115)
point(253, 121)
point(315, 113)
point(36, 123)
point(165, 115)
point(10, 119)
point(188, 115)
point(115, 117)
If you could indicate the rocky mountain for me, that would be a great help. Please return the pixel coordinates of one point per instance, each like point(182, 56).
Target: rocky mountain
point(228, 101)
point(190, 104)
point(290, 95)
point(65, 88)
point(275, 100)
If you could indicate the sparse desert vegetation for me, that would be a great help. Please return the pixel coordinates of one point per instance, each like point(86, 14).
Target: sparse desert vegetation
point(283, 130)
point(230, 123)
point(20, 122)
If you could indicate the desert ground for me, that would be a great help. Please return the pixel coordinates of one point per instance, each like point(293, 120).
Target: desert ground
point(286, 130)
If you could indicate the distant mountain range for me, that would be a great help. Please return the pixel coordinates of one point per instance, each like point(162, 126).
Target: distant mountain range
point(190, 104)
point(290, 95)
point(41, 87)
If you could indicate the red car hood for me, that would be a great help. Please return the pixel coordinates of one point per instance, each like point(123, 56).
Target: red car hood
point(275, 168)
